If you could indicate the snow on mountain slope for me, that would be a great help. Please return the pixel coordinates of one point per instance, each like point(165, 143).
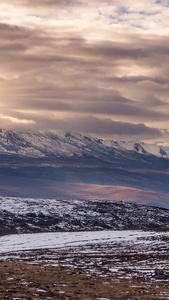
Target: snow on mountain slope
point(24, 215)
point(141, 148)
point(69, 145)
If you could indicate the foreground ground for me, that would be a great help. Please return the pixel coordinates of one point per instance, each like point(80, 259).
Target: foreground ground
point(85, 266)
point(26, 281)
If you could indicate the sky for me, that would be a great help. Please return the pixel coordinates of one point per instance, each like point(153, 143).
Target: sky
point(95, 67)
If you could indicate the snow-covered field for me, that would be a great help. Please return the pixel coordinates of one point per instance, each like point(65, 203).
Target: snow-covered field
point(71, 239)
point(124, 253)
point(94, 263)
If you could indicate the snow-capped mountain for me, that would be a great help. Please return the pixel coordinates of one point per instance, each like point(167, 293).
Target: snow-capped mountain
point(19, 215)
point(68, 145)
point(38, 165)
point(141, 147)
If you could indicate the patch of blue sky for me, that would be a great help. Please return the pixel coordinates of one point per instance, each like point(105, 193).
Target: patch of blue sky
point(123, 10)
point(44, 17)
point(119, 19)
point(163, 2)
point(112, 17)
point(124, 20)
point(138, 26)
point(148, 13)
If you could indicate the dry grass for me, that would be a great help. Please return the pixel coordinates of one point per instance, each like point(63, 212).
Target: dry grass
point(23, 280)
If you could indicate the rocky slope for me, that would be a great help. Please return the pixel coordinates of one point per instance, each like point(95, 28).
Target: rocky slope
point(19, 215)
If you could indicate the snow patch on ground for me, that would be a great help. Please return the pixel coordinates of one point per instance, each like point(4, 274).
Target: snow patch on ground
point(69, 239)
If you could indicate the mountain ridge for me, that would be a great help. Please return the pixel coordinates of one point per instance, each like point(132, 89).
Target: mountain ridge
point(52, 165)
point(68, 145)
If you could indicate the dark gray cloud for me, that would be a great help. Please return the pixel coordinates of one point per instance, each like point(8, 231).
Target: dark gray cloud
point(47, 3)
point(107, 126)
point(136, 79)
point(101, 127)
point(102, 107)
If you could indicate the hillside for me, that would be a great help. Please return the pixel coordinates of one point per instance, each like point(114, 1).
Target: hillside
point(29, 215)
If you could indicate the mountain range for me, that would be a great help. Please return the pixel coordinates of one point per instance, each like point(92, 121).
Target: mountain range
point(76, 166)
point(47, 145)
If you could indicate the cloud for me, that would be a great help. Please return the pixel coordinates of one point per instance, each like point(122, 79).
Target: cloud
point(16, 120)
point(100, 127)
point(103, 72)
point(109, 127)
point(164, 144)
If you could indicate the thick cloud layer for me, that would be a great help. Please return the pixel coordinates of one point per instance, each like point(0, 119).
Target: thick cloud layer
point(99, 67)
